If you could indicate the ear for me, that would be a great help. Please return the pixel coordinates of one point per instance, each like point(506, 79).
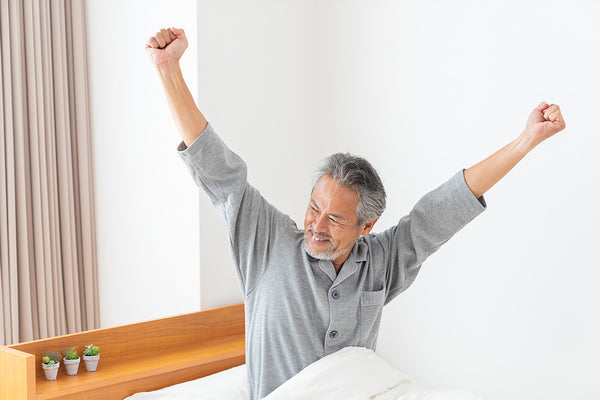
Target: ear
point(366, 228)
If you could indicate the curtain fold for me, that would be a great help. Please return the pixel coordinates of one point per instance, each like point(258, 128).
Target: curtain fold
point(48, 275)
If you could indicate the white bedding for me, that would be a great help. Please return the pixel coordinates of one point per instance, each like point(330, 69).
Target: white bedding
point(353, 373)
point(230, 384)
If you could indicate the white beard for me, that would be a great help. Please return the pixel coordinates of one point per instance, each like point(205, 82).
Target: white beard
point(325, 254)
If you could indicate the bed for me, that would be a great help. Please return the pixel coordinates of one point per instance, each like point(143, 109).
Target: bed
point(133, 358)
point(197, 356)
point(352, 373)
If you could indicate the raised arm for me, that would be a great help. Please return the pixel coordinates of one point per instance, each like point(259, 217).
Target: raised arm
point(544, 121)
point(165, 49)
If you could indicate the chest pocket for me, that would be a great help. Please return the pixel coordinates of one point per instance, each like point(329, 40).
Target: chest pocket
point(371, 305)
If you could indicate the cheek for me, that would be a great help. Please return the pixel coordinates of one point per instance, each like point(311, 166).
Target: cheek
point(340, 239)
point(307, 220)
point(346, 239)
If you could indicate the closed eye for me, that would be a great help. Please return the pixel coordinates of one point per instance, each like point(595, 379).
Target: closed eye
point(313, 206)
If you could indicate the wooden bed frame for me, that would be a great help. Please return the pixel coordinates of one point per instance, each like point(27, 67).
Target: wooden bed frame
point(133, 358)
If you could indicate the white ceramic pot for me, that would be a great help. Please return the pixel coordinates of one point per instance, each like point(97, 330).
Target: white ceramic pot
point(72, 366)
point(91, 362)
point(50, 370)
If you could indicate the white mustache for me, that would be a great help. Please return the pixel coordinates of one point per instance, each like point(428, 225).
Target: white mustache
point(319, 235)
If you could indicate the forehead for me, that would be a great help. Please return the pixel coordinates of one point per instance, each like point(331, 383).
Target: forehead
point(335, 199)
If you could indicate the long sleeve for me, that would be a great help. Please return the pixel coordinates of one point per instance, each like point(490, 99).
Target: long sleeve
point(252, 223)
point(435, 218)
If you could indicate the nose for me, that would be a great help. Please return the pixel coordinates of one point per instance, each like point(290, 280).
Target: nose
point(321, 223)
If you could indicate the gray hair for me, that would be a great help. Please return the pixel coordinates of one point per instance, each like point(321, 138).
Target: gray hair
point(359, 175)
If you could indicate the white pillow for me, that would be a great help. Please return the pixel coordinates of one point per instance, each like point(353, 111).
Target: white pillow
point(352, 373)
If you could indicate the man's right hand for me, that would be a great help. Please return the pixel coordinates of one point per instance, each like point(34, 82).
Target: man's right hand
point(166, 46)
point(165, 49)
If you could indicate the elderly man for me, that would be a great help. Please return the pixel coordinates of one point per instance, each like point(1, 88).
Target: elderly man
point(311, 292)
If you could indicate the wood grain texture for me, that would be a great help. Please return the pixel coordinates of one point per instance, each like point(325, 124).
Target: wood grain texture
point(17, 377)
point(137, 357)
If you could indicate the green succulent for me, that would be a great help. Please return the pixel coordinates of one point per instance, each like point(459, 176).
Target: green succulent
point(70, 354)
point(91, 350)
point(51, 357)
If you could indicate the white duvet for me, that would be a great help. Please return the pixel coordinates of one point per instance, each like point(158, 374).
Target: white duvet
point(353, 373)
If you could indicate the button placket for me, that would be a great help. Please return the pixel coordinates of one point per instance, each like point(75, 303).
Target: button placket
point(334, 294)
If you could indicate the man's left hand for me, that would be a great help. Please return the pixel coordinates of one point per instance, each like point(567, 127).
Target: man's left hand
point(544, 121)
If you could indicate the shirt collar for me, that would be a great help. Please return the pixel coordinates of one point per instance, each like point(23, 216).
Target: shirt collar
point(360, 250)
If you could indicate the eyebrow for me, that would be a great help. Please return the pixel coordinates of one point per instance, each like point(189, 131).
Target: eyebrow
point(313, 202)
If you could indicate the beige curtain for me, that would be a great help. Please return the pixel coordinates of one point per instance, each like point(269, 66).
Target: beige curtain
point(48, 279)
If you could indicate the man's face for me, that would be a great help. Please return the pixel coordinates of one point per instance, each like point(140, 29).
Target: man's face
point(331, 224)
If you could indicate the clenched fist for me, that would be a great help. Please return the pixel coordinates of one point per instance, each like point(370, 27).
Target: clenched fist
point(544, 121)
point(166, 46)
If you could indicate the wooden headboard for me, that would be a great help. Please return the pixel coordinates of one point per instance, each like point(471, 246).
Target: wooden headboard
point(133, 358)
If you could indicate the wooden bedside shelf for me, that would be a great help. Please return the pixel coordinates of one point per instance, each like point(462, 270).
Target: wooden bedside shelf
point(173, 350)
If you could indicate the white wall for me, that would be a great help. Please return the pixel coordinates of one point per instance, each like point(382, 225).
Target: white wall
point(146, 209)
point(257, 90)
point(507, 308)
point(161, 251)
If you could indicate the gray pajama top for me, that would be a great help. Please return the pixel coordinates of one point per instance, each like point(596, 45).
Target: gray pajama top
point(297, 310)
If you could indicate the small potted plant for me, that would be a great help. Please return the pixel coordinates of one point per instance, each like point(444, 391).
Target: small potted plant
point(91, 355)
point(71, 360)
point(50, 364)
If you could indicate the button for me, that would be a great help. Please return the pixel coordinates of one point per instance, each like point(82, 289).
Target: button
point(333, 334)
point(335, 294)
